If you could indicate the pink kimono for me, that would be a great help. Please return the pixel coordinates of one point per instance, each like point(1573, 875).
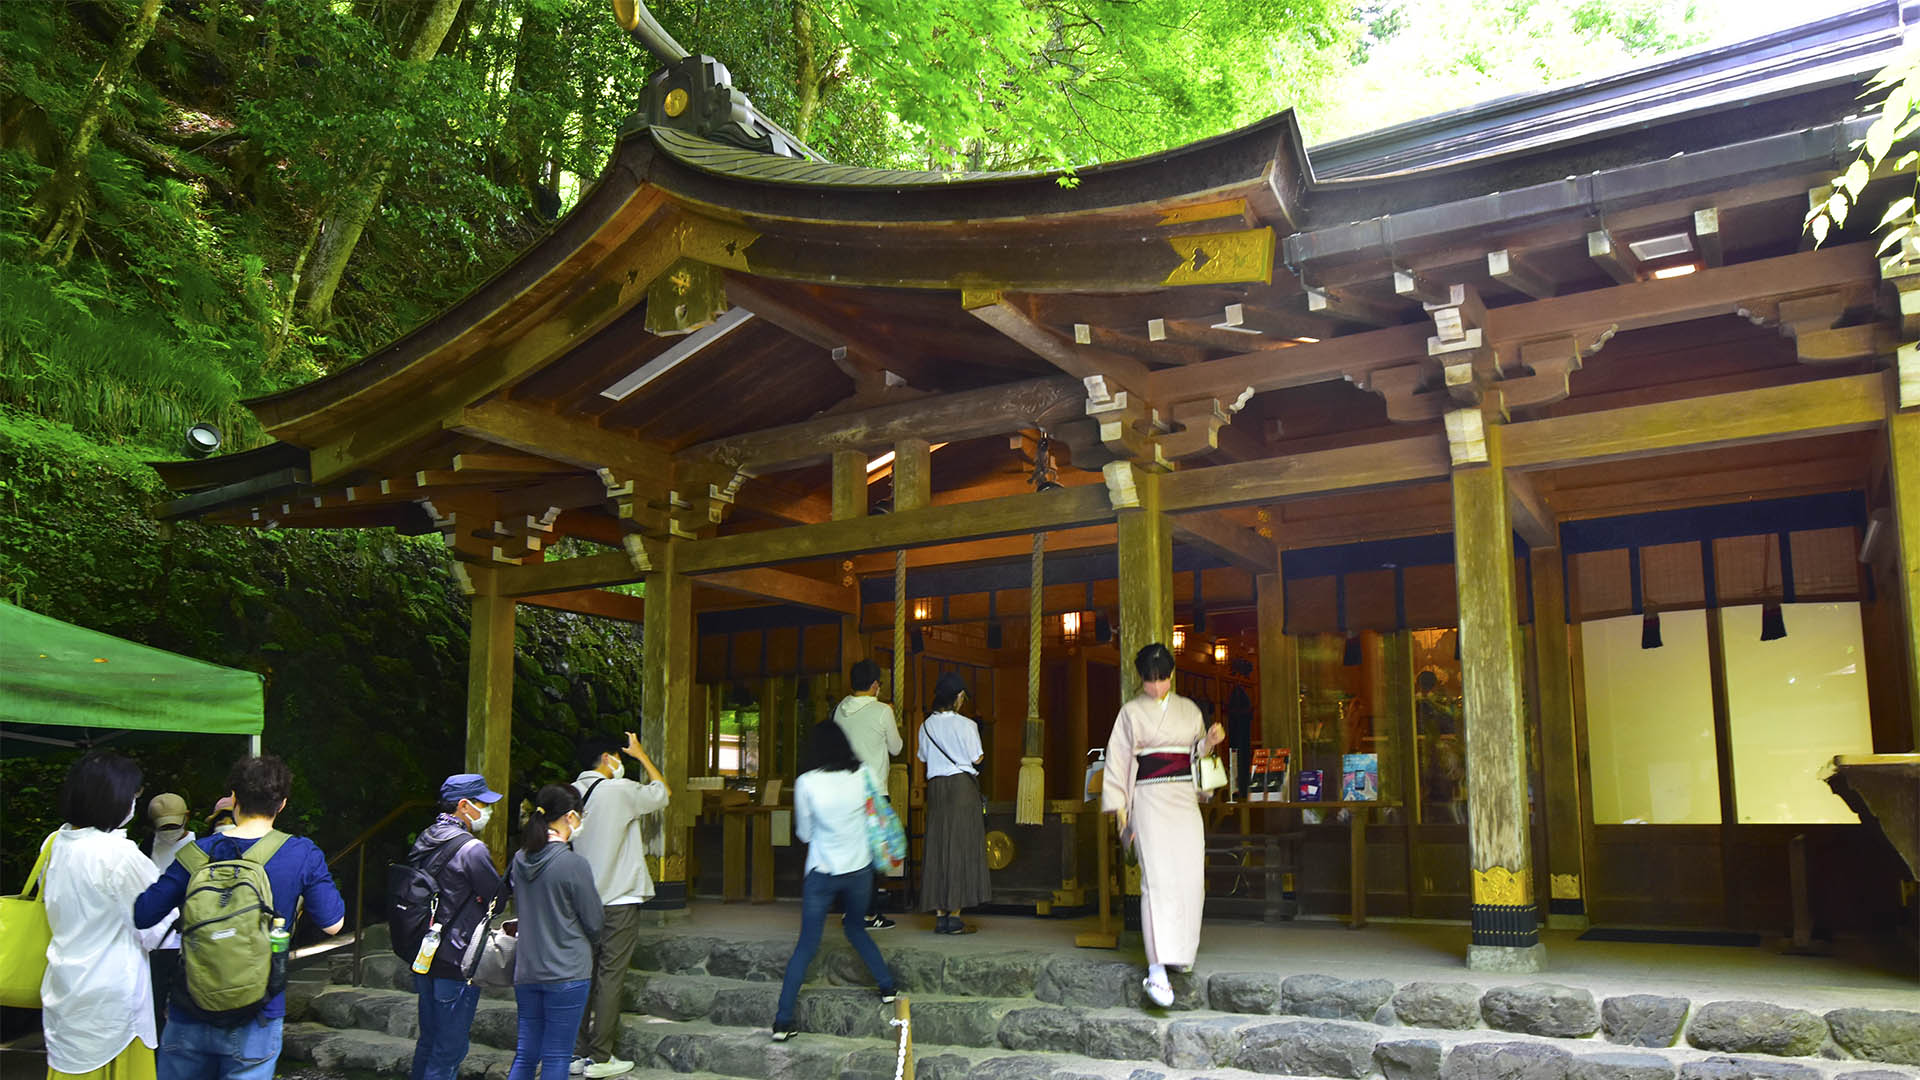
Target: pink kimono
point(1147, 775)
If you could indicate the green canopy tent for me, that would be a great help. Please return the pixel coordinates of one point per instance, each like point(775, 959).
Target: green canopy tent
point(54, 675)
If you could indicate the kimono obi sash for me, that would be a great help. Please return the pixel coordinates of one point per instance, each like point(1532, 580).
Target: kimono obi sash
point(1157, 764)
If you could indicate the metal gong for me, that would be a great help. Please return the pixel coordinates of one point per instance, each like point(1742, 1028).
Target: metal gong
point(999, 850)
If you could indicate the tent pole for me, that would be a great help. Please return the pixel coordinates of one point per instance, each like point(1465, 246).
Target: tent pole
point(253, 745)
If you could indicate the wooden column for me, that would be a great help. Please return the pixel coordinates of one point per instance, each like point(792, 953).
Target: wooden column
point(666, 687)
point(912, 475)
point(1279, 668)
point(1505, 917)
point(1903, 484)
point(849, 484)
point(490, 699)
point(1072, 773)
point(1146, 577)
point(1559, 749)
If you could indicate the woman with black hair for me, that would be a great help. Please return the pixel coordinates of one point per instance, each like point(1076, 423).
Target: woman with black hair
point(1149, 786)
point(830, 817)
point(560, 920)
point(954, 875)
point(97, 995)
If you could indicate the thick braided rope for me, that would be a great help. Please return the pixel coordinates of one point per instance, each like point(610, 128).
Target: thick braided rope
point(1035, 604)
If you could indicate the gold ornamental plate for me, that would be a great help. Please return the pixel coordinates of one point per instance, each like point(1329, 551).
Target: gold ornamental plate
point(999, 850)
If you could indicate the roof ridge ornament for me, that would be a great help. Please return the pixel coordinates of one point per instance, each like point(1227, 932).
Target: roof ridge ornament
point(695, 94)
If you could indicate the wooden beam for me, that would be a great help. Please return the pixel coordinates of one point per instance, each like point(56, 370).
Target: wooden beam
point(1531, 517)
point(1903, 486)
point(1079, 361)
point(912, 475)
point(1703, 488)
point(551, 435)
point(1146, 568)
point(1800, 410)
point(805, 316)
point(1011, 515)
point(785, 587)
point(506, 463)
point(597, 602)
point(1504, 914)
point(1224, 538)
point(968, 414)
point(1613, 257)
point(1279, 668)
point(1349, 307)
point(1415, 287)
point(1706, 236)
point(767, 497)
point(1506, 267)
point(1721, 291)
point(1348, 468)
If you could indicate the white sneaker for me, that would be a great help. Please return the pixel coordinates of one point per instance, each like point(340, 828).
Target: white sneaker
point(578, 1065)
point(1161, 993)
point(611, 1067)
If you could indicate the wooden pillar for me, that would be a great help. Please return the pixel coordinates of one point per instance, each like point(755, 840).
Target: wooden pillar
point(912, 475)
point(490, 699)
point(1559, 749)
point(1505, 917)
point(1279, 668)
point(1146, 575)
point(1903, 484)
point(666, 686)
point(1073, 770)
point(849, 484)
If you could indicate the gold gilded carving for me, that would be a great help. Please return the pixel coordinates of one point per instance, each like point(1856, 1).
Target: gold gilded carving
point(668, 867)
point(1000, 850)
point(715, 243)
point(1212, 211)
point(1502, 887)
point(676, 101)
point(1564, 886)
point(1223, 258)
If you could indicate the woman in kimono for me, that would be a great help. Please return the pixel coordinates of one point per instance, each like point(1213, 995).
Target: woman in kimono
point(1149, 785)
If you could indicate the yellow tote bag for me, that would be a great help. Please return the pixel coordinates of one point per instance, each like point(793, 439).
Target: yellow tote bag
point(24, 936)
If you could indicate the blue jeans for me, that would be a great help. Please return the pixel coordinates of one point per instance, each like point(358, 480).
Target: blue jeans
point(446, 1017)
point(195, 1050)
point(817, 895)
point(549, 1021)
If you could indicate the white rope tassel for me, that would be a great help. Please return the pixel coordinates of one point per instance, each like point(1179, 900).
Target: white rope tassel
point(900, 1061)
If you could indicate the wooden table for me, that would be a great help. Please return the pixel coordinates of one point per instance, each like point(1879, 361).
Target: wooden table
point(737, 818)
point(1357, 838)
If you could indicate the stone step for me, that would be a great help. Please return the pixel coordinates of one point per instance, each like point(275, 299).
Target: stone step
point(357, 1051)
point(730, 1034)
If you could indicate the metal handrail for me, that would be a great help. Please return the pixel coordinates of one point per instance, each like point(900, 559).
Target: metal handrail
point(358, 847)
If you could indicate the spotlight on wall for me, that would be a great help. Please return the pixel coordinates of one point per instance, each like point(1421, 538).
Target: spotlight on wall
point(1773, 622)
point(202, 440)
point(1650, 631)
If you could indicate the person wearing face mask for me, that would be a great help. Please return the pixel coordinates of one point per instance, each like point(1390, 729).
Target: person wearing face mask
point(467, 884)
point(560, 921)
point(168, 812)
point(97, 1000)
point(611, 841)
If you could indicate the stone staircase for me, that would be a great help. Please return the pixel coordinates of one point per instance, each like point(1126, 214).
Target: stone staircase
point(700, 1004)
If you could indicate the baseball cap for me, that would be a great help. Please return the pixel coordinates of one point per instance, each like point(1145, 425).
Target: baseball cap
point(468, 785)
point(167, 809)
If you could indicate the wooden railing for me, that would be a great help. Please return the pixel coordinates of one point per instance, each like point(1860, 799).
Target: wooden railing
point(358, 849)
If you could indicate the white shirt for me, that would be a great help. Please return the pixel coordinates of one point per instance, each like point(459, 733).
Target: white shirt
point(830, 815)
point(949, 733)
point(163, 855)
point(872, 732)
point(609, 835)
point(97, 995)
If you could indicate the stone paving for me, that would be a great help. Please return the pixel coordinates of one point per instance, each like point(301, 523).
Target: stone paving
point(699, 1004)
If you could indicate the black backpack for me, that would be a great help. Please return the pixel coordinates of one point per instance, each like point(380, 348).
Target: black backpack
point(413, 896)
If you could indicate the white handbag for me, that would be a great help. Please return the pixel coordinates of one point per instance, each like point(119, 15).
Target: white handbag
point(1209, 773)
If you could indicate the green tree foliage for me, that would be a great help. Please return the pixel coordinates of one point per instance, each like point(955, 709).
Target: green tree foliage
point(1895, 123)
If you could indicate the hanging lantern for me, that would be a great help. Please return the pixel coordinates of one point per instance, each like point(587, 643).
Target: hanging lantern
point(922, 609)
point(1070, 625)
point(1179, 639)
point(1220, 652)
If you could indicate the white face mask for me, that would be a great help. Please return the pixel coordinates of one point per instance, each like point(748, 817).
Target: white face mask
point(580, 825)
point(479, 823)
point(619, 770)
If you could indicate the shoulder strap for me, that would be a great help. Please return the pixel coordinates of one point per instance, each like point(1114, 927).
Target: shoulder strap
point(32, 888)
point(192, 856)
point(936, 745)
point(444, 854)
point(265, 848)
point(588, 794)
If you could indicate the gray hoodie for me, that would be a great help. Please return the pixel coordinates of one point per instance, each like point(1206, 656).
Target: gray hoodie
point(872, 732)
point(560, 915)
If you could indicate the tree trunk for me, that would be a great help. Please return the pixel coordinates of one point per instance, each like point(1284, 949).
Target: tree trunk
point(61, 202)
point(810, 80)
point(341, 229)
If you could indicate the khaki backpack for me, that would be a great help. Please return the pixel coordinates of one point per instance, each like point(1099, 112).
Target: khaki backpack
point(226, 958)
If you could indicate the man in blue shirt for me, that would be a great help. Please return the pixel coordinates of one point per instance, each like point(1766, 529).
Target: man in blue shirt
point(193, 1048)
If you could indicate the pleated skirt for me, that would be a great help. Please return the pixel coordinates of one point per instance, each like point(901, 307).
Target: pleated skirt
point(955, 872)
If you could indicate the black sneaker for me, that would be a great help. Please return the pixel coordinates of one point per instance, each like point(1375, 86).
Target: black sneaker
point(940, 923)
point(888, 997)
point(952, 925)
point(879, 922)
point(783, 1032)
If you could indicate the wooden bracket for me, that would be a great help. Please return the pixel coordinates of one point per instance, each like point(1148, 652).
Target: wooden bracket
point(1706, 236)
point(1407, 389)
point(1122, 489)
point(1507, 268)
point(1419, 288)
point(685, 297)
point(1613, 257)
point(1127, 426)
point(1466, 436)
point(1549, 365)
point(1348, 307)
point(1197, 425)
point(1467, 365)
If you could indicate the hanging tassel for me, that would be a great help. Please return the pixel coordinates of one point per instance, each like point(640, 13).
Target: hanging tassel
point(1030, 804)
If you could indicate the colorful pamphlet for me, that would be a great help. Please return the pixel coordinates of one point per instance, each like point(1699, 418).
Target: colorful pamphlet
point(1360, 778)
point(1310, 780)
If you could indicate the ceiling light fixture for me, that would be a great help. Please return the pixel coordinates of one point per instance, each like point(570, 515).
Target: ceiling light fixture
point(1308, 340)
point(729, 321)
point(1674, 271)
